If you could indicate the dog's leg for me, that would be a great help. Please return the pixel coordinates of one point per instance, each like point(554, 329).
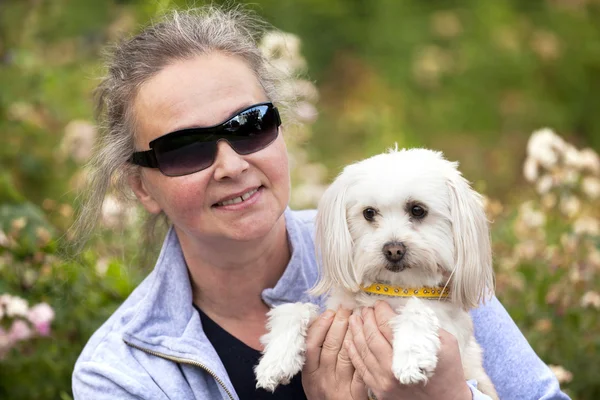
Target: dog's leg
point(285, 344)
point(473, 367)
point(416, 342)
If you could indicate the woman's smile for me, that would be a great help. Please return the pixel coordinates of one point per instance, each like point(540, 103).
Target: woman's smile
point(241, 201)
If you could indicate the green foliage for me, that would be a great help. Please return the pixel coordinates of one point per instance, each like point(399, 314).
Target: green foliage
point(472, 79)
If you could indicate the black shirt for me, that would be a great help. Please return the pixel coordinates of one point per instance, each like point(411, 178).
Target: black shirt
point(239, 361)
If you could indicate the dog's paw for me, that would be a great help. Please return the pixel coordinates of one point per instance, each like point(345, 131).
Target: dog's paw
point(410, 372)
point(271, 372)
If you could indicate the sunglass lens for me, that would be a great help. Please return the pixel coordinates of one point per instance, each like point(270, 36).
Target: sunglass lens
point(258, 130)
point(186, 158)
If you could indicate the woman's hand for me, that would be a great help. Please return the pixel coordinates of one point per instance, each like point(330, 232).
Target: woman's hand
point(328, 373)
point(371, 354)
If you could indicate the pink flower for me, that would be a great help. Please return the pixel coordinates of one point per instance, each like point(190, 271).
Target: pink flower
point(40, 316)
point(19, 331)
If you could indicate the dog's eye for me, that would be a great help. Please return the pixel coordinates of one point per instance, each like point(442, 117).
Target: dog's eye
point(369, 214)
point(418, 211)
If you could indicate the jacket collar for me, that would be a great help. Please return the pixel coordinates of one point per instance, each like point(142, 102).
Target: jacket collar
point(165, 321)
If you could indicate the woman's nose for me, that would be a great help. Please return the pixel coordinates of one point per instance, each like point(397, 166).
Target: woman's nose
point(228, 163)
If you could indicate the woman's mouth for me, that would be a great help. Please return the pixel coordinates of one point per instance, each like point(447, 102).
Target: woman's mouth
point(238, 199)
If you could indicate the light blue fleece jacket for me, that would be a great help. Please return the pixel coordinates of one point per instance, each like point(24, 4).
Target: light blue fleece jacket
point(153, 346)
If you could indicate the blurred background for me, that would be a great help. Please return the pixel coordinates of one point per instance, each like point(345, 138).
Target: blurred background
point(475, 79)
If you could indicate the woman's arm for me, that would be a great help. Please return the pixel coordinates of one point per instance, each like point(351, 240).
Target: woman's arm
point(515, 369)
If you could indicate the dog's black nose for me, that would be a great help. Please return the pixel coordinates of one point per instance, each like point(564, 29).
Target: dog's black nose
point(394, 251)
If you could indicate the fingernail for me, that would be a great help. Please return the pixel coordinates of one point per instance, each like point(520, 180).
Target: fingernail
point(328, 314)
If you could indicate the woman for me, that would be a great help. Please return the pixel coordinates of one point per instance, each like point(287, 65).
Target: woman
point(191, 128)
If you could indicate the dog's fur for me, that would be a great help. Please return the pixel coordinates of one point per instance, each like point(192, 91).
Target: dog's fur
point(449, 246)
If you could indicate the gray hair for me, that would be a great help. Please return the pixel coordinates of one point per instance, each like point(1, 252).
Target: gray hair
point(179, 35)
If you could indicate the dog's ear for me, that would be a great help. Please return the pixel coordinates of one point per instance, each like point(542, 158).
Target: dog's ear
point(333, 242)
point(473, 276)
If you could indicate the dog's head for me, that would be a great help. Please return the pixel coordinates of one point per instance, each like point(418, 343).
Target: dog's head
point(408, 218)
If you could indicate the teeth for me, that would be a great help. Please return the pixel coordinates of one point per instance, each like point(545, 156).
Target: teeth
point(236, 200)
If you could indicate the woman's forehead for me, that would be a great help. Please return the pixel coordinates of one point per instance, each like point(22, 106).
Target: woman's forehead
point(202, 91)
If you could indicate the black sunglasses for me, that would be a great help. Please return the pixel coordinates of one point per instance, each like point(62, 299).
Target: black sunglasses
point(191, 150)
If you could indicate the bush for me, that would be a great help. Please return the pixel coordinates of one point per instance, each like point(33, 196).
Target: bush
point(547, 252)
point(78, 292)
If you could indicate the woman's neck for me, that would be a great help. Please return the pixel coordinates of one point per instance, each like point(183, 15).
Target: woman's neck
point(229, 277)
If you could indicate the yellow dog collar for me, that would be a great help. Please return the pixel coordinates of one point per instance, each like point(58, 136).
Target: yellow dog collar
point(398, 291)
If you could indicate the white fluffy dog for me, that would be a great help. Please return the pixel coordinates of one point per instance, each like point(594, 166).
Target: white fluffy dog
point(404, 227)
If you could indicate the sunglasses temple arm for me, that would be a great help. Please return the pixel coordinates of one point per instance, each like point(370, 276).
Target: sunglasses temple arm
point(144, 159)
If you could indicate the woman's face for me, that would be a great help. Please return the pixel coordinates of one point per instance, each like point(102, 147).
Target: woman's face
point(204, 91)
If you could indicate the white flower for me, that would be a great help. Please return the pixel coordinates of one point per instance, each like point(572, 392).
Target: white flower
point(571, 156)
point(531, 217)
point(525, 250)
point(115, 213)
point(15, 306)
point(591, 187)
point(306, 90)
point(78, 141)
point(590, 160)
point(594, 258)
point(544, 184)
point(306, 112)
point(570, 176)
point(19, 223)
point(586, 225)
point(543, 146)
point(570, 205)
point(283, 50)
point(102, 267)
point(530, 169)
point(590, 299)
point(561, 373)
point(548, 200)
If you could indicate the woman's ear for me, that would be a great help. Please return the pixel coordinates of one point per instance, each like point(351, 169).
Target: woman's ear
point(138, 186)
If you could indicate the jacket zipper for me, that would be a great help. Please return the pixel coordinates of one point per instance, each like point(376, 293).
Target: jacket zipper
point(183, 361)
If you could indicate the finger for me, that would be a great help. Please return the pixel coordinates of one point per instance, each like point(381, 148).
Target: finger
point(384, 315)
point(361, 371)
point(358, 388)
point(344, 369)
point(315, 336)
point(361, 346)
point(378, 344)
point(335, 338)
